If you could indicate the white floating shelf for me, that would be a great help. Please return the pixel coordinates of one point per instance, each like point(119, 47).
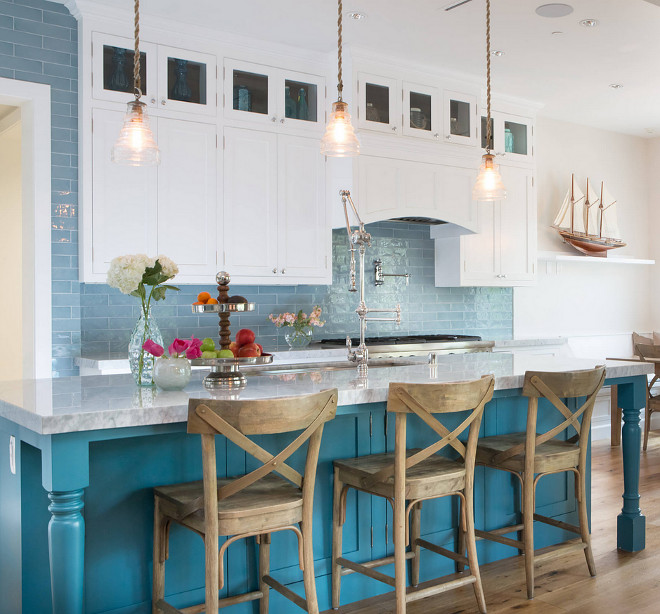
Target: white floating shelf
point(562, 257)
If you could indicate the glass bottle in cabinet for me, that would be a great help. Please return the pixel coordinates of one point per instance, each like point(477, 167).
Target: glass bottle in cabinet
point(460, 118)
point(250, 92)
point(301, 100)
point(515, 138)
point(118, 69)
point(186, 81)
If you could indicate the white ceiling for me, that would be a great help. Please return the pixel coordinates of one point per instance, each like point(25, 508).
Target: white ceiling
point(569, 73)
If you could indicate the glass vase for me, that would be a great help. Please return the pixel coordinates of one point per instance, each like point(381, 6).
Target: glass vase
point(172, 373)
point(140, 361)
point(298, 338)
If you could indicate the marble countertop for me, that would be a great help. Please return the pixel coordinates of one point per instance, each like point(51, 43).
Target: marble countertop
point(72, 404)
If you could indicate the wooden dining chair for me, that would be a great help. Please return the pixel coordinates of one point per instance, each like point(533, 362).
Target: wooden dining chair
point(406, 478)
point(651, 353)
point(256, 504)
point(530, 456)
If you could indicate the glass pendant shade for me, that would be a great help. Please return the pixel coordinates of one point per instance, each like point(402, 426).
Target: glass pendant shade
point(489, 184)
point(339, 140)
point(136, 145)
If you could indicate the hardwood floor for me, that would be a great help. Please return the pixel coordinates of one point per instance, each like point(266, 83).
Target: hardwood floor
point(625, 583)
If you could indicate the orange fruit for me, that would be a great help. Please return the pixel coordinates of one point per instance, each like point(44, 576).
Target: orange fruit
point(203, 297)
point(212, 301)
point(198, 303)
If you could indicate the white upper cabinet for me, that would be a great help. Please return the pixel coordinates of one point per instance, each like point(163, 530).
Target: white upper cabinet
point(123, 212)
point(421, 111)
point(276, 225)
point(168, 209)
point(461, 119)
point(503, 251)
point(172, 79)
point(284, 99)
point(512, 137)
point(379, 103)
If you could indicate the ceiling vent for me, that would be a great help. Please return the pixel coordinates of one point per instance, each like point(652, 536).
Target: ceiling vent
point(429, 221)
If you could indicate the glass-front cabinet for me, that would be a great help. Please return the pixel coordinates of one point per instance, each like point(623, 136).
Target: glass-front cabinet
point(171, 79)
point(512, 136)
point(420, 111)
point(460, 118)
point(378, 103)
point(265, 94)
point(187, 81)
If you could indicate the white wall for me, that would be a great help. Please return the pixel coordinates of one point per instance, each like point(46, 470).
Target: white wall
point(591, 299)
point(11, 358)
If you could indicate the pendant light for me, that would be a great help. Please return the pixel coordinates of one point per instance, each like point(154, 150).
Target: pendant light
point(339, 140)
point(489, 184)
point(136, 145)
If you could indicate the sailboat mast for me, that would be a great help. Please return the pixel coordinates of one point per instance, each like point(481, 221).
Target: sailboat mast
point(588, 206)
point(572, 200)
point(600, 206)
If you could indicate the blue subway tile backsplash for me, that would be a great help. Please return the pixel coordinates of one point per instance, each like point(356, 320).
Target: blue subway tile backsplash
point(38, 43)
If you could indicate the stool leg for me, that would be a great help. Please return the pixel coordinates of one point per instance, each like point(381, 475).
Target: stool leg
point(308, 558)
point(415, 530)
point(461, 533)
point(160, 537)
point(528, 530)
point(472, 548)
point(584, 524)
point(400, 513)
point(264, 570)
point(337, 534)
point(647, 423)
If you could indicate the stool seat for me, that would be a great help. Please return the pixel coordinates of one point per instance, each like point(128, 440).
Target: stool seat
point(552, 455)
point(434, 476)
point(272, 497)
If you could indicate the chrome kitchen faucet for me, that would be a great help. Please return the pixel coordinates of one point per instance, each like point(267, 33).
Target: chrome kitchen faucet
point(359, 240)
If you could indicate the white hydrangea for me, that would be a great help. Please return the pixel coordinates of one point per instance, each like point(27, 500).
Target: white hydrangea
point(125, 272)
point(169, 266)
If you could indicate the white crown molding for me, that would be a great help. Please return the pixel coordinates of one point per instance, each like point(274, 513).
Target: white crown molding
point(72, 5)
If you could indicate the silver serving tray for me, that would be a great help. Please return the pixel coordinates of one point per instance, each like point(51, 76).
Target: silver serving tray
point(264, 359)
point(223, 307)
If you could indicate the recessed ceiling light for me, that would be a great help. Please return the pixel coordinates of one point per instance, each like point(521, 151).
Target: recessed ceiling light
point(589, 23)
point(356, 15)
point(616, 86)
point(497, 53)
point(554, 10)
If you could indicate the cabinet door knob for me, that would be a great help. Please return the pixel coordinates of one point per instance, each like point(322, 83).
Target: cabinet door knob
point(163, 102)
point(283, 271)
point(448, 137)
point(273, 119)
point(282, 121)
point(153, 101)
point(436, 136)
point(393, 128)
point(275, 271)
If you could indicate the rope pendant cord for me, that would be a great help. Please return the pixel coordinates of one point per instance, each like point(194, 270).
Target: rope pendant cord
point(488, 120)
point(340, 24)
point(136, 59)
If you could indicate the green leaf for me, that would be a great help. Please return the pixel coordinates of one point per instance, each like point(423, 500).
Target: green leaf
point(170, 287)
point(158, 294)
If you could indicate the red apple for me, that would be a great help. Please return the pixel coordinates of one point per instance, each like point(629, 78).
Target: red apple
point(250, 350)
point(261, 348)
point(244, 336)
point(233, 346)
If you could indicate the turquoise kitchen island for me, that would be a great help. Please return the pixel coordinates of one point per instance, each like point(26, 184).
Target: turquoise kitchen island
point(76, 503)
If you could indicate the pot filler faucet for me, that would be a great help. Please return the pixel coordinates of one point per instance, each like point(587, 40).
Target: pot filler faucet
point(359, 240)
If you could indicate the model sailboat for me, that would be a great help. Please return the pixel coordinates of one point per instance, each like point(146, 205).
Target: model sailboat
point(589, 223)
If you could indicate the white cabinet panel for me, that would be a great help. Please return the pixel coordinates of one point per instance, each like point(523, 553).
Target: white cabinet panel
point(124, 199)
point(480, 251)
point(455, 201)
point(418, 182)
point(304, 230)
point(250, 203)
point(517, 216)
point(187, 196)
point(378, 188)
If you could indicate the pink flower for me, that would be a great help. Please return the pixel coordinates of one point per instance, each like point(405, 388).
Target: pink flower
point(178, 346)
point(194, 348)
point(153, 348)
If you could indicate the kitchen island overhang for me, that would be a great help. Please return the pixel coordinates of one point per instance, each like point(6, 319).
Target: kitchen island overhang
point(94, 447)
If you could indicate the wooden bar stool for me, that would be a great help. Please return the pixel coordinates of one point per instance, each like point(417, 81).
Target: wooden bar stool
point(650, 353)
point(408, 477)
point(256, 504)
point(530, 456)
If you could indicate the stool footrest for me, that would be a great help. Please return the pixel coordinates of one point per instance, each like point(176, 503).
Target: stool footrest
point(558, 551)
point(492, 536)
point(459, 558)
point(368, 571)
point(557, 523)
point(287, 592)
point(388, 560)
point(422, 593)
